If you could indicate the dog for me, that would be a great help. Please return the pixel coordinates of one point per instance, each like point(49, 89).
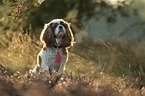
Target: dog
point(56, 37)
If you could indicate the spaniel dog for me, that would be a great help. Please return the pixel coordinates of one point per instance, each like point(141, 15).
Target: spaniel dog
point(57, 37)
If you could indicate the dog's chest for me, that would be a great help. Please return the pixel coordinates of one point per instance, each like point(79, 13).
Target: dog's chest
point(49, 57)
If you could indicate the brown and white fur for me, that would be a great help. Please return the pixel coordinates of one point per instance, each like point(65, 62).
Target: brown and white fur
point(56, 37)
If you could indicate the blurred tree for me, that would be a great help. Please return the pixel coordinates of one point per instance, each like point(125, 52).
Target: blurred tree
point(33, 14)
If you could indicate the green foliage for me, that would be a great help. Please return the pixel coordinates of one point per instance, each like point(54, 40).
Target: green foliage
point(20, 14)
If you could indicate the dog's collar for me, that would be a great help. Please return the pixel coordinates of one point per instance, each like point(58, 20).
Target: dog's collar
point(55, 46)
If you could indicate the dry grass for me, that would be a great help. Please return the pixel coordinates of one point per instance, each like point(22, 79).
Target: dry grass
point(104, 68)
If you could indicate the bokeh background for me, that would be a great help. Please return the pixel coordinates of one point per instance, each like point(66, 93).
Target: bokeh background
point(107, 59)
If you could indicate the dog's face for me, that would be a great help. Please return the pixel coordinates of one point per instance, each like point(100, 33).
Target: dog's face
point(59, 27)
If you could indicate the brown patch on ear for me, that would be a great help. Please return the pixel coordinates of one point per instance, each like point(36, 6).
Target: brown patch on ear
point(67, 40)
point(48, 37)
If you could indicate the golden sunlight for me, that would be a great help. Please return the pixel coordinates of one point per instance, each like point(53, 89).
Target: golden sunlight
point(114, 2)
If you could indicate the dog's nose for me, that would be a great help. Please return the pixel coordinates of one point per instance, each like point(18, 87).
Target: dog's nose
point(60, 27)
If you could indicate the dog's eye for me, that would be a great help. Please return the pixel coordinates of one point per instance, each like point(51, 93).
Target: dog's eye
point(64, 25)
point(54, 26)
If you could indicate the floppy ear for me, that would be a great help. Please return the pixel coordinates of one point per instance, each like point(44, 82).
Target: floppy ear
point(47, 36)
point(67, 40)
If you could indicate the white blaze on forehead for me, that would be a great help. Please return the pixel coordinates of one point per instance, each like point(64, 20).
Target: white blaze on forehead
point(57, 21)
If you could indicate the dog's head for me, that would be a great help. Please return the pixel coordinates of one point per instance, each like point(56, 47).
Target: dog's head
point(57, 28)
